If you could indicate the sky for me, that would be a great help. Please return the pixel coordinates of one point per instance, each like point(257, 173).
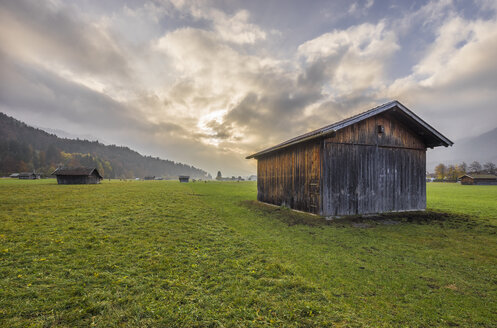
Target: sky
point(210, 82)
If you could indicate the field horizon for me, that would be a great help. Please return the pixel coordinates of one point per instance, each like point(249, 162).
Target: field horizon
point(162, 253)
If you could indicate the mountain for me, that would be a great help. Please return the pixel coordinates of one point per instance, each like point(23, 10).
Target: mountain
point(24, 148)
point(482, 148)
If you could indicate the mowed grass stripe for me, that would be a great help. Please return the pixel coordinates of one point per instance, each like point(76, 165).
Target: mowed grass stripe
point(162, 253)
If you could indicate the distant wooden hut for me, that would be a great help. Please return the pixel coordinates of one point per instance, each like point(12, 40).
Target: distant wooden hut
point(478, 179)
point(77, 175)
point(370, 163)
point(184, 178)
point(28, 176)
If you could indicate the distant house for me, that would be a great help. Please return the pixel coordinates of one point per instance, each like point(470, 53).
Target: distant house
point(28, 176)
point(77, 175)
point(372, 162)
point(184, 178)
point(14, 175)
point(149, 177)
point(478, 179)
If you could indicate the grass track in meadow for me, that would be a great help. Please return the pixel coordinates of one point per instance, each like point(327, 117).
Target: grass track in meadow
point(161, 253)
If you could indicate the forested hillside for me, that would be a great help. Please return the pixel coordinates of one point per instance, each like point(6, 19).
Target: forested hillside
point(24, 148)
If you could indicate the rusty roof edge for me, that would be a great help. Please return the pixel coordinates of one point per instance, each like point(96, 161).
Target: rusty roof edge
point(352, 120)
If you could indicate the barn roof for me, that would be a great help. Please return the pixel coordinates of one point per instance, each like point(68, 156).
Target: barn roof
point(430, 136)
point(86, 171)
point(26, 174)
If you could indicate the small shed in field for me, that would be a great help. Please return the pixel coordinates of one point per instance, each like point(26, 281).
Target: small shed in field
point(77, 175)
point(184, 178)
point(372, 162)
point(28, 176)
point(478, 179)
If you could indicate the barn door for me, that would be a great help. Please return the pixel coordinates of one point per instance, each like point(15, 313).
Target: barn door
point(350, 179)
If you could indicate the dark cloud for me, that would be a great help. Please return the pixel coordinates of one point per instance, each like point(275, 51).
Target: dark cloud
point(59, 35)
point(29, 88)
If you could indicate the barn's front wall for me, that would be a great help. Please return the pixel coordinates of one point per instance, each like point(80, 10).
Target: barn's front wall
point(78, 179)
point(365, 171)
point(292, 177)
point(465, 180)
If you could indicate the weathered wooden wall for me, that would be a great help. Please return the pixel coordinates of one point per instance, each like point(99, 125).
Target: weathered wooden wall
point(77, 179)
point(369, 172)
point(292, 177)
point(485, 182)
point(467, 181)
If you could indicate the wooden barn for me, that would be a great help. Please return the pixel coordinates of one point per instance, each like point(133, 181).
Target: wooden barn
point(28, 176)
point(478, 179)
point(184, 178)
point(77, 175)
point(372, 162)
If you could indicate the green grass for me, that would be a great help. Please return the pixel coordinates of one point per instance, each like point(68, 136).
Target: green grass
point(476, 201)
point(157, 253)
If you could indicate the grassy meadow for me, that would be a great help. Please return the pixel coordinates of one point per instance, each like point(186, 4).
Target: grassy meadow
point(165, 254)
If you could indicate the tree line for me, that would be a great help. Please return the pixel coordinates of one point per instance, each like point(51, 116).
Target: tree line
point(26, 149)
point(452, 172)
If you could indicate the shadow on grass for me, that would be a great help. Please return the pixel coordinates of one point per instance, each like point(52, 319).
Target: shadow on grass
point(443, 219)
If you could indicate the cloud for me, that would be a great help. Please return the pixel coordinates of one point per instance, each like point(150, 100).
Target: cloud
point(354, 59)
point(56, 36)
point(27, 87)
point(235, 28)
point(456, 73)
point(357, 9)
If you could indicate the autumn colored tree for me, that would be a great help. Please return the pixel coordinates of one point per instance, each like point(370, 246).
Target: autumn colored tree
point(441, 171)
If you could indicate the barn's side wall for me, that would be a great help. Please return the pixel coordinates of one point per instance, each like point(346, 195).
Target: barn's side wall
point(291, 177)
point(365, 171)
point(486, 182)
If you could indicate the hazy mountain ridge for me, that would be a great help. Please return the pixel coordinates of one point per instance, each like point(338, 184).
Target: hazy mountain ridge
point(482, 148)
point(25, 148)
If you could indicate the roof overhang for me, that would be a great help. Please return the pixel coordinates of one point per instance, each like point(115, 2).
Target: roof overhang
point(431, 137)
